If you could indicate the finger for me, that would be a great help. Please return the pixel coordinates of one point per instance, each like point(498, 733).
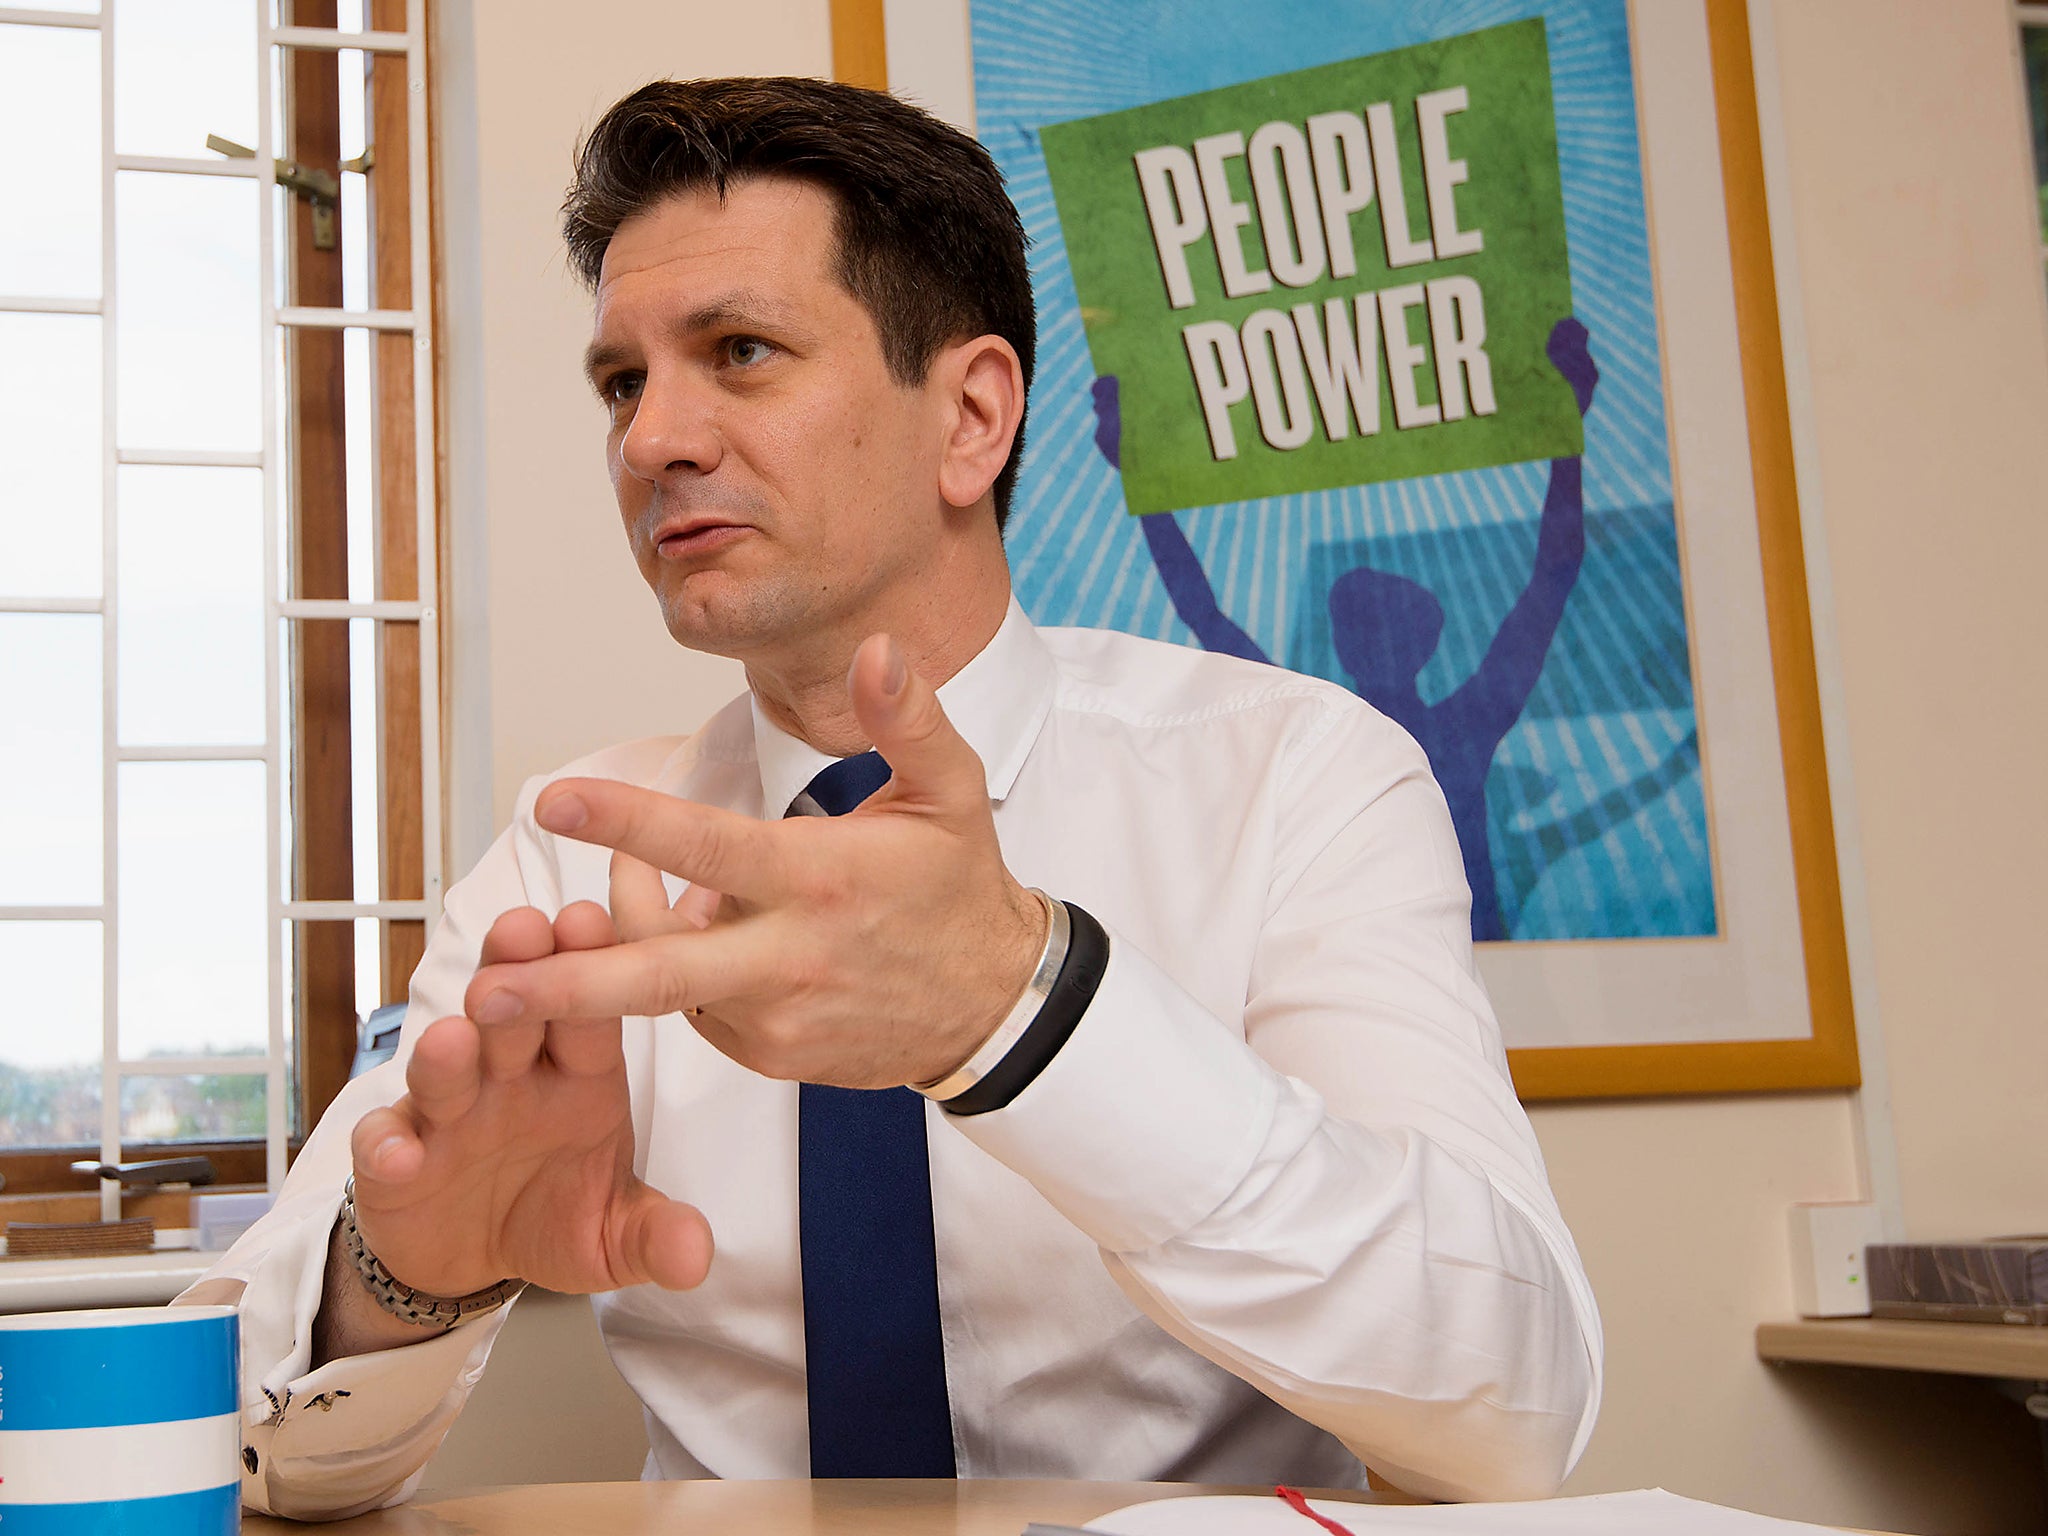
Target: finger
point(584, 1047)
point(654, 1238)
point(445, 1072)
point(519, 934)
point(931, 761)
point(639, 899)
point(508, 1048)
point(697, 907)
point(699, 842)
point(646, 978)
point(506, 1051)
point(583, 925)
point(386, 1147)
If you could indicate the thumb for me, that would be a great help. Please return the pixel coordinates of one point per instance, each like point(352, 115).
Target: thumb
point(900, 711)
point(658, 1239)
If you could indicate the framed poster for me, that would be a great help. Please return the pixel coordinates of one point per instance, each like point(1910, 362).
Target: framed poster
point(1432, 348)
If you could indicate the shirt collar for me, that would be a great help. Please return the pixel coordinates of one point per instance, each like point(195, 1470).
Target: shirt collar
point(998, 702)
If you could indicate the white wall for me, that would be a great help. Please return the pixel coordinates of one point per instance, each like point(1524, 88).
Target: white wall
point(1921, 391)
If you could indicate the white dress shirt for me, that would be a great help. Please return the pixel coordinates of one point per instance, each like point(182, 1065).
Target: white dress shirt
point(1273, 1210)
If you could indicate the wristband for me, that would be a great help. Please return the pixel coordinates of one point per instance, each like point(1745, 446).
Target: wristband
point(1080, 973)
point(399, 1299)
point(1029, 1002)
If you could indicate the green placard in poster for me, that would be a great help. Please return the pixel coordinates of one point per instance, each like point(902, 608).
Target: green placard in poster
point(1325, 278)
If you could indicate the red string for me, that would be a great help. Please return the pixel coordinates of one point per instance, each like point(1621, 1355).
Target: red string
point(1297, 1502)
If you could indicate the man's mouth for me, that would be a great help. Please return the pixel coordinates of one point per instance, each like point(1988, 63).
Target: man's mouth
point(699, 537)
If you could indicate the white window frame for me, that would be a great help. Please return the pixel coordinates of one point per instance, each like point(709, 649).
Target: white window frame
point(423, 612)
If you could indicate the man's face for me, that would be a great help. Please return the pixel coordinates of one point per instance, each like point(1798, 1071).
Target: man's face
point(777, 484)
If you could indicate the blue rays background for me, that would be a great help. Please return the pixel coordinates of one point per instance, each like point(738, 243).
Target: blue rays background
point(1596, 817)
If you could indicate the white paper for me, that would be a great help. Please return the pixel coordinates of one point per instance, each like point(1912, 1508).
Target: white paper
point(1605, 1514)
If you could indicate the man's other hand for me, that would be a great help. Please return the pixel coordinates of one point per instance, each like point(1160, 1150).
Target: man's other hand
point(511, 1154)
point(866, 950)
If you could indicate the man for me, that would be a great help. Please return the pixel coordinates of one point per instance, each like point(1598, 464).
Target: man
point(1220, 1175)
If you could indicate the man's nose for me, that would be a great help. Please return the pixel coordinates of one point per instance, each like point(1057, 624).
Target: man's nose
point(674, 429)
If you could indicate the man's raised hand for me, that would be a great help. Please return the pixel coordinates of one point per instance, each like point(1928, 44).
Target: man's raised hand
point(866, 950)
point(511, 1154)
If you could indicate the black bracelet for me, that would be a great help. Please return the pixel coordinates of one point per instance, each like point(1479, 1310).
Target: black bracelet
point(1072, 991)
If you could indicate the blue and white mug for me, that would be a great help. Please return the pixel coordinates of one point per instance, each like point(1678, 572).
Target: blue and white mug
point(121, 1422)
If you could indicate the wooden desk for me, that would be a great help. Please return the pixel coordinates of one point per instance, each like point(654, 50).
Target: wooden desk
point(983, 1507)
point(1954, 1349)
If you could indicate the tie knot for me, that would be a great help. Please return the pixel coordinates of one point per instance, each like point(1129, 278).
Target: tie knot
point(839, 787)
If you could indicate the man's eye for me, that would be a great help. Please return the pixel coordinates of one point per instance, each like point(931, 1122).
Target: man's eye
point(745, 351)
point(620, 389)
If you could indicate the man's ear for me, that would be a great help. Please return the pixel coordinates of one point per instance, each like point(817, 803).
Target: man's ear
point(983, 386)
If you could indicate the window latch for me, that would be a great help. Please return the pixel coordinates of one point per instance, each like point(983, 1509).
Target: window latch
point(169, 1170)
point(320, 188)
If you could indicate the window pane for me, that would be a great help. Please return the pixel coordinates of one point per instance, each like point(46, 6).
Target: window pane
point(355, 188)
point(181, 72)
point(50, 793)
point(50, 125)
point(181, 1108)
point(50, 440)
point(380, 776)
point(343, 469)
point(341, 273)
point(360, 413)
point(2034, 46)
point(50, 1034)
point(360, 938)
point(191, 605)
point(194, 966)
point(189, 319)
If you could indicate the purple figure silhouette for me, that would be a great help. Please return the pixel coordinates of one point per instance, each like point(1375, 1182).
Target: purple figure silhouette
point(1386, 627)
point(1186, 582)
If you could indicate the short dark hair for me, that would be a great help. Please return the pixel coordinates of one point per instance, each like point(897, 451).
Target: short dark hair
point(929, 243)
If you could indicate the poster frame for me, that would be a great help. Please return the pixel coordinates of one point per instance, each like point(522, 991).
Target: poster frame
point(1827, 1057)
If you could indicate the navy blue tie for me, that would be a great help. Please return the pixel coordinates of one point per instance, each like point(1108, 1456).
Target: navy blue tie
point(876, 1358)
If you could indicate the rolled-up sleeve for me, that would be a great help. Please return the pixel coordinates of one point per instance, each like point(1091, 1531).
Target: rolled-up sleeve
point(355, 1433)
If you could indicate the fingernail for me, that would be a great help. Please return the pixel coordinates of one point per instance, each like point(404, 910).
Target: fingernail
point(501, 1007)
point(386, 1149)
point(895, 674)
point(564, 813)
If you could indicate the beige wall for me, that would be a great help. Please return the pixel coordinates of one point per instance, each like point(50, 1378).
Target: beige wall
point(1921, 387)
point(1925, 364)
point(1928, 346)
point(558, 647)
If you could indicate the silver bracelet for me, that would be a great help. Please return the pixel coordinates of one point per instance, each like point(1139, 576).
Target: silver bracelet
point(992, 1050)
point(419, 1308)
